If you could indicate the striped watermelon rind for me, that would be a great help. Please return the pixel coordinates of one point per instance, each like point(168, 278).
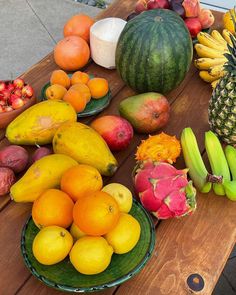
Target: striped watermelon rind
point(154, 51)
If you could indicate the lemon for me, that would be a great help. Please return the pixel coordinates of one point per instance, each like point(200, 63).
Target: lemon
point(91, 255)
point(76, 232)
point(125, 235)
point(52, 244)
point(121, 194)
point(227, 20)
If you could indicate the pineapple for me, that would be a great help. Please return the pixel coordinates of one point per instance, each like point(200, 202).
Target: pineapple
point(222, 105)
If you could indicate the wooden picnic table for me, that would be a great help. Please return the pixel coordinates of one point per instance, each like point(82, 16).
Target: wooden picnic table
point(198, 244)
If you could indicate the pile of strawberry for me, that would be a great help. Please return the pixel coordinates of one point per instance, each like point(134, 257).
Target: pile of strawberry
point(195, 17)
point(14, 94)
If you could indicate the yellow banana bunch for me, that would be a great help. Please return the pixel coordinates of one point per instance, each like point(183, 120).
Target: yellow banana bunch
point(211, 49)
point(214, 83)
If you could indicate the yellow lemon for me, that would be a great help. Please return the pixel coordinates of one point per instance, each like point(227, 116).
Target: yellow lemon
point(76, 232)
point(52, 244)
point(122, 195)
point(227, 20)
point(91, 255)
point(125, 235)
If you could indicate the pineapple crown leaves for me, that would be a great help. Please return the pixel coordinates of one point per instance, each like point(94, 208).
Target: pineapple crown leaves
point(230, 65)
point(232, 14)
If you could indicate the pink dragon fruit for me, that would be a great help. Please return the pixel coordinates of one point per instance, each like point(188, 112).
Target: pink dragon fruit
point(164, 190)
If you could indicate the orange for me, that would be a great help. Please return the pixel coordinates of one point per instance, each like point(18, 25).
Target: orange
point(83, 89)
point(79, 25)
point(96, 214)
point(79, 77)
point(76, 99)
point(71, 53)
point(53, 207)
point(81, 180)
point(98, 87)
point(60, 77)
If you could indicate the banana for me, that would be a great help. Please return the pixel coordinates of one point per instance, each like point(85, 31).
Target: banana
point(230, 189)
point(208, 40)
point(204, 63)
point(217, 36)
point(226, 34)
point(205, 76)
point(217, 161)
point(204, 51)
point(217, 71)
point(193, 161)
point(214, 83)
point(230, 153)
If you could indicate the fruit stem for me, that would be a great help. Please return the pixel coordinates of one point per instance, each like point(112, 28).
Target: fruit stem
point(62, 234)
point(214, 178)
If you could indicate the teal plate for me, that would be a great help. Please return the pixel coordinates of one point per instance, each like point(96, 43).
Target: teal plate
point(64, 277)
point(94, 106)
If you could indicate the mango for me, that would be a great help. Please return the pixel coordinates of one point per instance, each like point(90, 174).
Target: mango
point(86, 146)
point(44, 174)
point(38, 124)
point(146, 112)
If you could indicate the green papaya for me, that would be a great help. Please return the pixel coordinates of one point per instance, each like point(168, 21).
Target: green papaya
point(38, 124)
point(86, 146)
point(146, 112)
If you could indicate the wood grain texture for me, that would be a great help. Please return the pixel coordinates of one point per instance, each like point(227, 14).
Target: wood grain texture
point(200, 243)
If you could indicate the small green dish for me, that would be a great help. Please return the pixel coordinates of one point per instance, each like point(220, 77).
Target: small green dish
point(63, 276)
point(94, 106)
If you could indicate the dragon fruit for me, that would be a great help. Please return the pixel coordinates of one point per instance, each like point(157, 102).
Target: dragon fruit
point(164, 190)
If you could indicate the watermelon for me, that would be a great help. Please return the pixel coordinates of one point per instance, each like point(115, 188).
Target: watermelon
point(154, 51)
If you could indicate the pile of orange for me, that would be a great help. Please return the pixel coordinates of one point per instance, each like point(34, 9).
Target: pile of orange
point(95, 215)
point(73, 52)
point(77, 90)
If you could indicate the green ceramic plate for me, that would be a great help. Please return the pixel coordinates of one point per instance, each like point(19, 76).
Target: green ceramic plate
point(63, 276)
point(94, 107)
point(195, 40)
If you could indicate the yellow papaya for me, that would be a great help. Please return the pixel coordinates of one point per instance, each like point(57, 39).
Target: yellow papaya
point(38, 124)
point(44, 174)
point(86, 146)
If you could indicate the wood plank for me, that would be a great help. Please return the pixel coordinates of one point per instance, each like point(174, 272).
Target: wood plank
point(182, 115)
point(35, 287)
point(195, 244)
point(13, 271)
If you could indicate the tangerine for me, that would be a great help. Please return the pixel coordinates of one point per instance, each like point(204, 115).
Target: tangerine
point(83, 89)
point(81, 180)
point(76, 99)
point(79, 77)
point(53, 207)
point(60, 77)
point(98, 87)
point(96, 214)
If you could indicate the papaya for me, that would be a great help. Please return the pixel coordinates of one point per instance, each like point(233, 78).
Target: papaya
point(38, 124)
point(86, 146)
point(44, 174)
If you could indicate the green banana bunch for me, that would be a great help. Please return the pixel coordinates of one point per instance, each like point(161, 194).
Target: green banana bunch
point(217, 161)
point(230, 153)
point(230, 189)
point(230, 186)
point(194, 162)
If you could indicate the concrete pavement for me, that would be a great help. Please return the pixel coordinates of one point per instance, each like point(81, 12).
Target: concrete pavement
point(30, 29)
